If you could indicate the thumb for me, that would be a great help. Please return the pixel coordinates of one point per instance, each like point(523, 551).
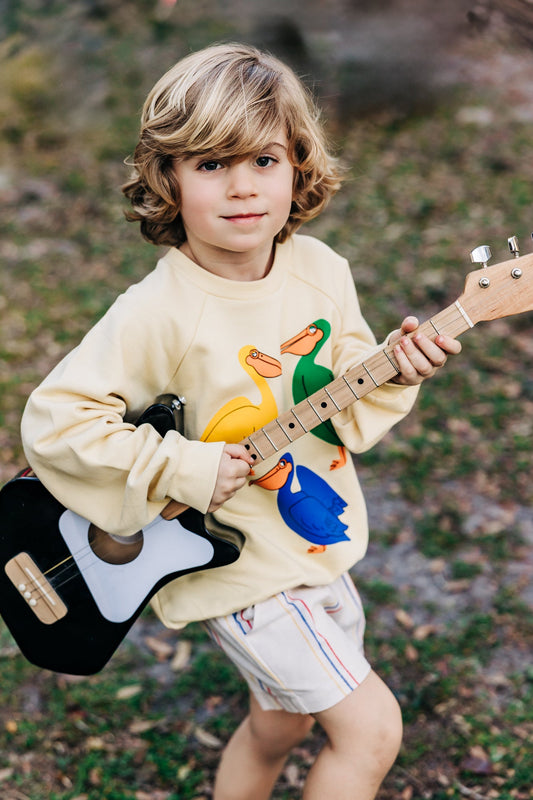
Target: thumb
point(409, 325)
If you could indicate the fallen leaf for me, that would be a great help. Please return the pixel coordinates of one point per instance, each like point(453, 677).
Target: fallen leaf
point(477, 761)
point(181, 656)
point(207, 739)
point(212, 702)
point(442, 779)
point(455, 587)
point(422, 632)
point(128, 691)
point(411, 653)
point(404, 618)
point(183, 772)
point(162, 650)
point(94, 743)
point(142, 725)
point(95, 776)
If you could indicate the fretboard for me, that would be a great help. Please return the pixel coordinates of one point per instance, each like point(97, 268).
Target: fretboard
point(361, 379)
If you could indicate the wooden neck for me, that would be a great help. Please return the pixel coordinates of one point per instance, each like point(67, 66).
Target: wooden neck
point(378, 368)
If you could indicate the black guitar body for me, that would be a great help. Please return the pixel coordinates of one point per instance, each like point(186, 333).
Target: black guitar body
point(62, 618)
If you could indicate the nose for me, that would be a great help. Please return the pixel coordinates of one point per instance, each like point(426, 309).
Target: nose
point(241, 180)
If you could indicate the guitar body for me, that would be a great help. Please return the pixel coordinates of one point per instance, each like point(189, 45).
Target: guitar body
point(69, 592)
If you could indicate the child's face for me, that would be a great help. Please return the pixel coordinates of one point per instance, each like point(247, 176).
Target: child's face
point(231, 207)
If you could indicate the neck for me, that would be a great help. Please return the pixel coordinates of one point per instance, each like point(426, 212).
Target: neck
point(248, 266)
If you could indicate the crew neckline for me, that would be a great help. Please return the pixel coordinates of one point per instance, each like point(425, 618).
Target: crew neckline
point(227, 287)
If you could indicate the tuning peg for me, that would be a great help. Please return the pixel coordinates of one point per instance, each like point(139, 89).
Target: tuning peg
point(512, 241)
point(481, 254)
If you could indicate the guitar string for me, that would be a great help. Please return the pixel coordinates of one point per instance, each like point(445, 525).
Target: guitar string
point(71, 568)
point(71, 564)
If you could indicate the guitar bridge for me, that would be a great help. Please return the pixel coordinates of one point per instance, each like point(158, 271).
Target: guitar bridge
point(35, 589)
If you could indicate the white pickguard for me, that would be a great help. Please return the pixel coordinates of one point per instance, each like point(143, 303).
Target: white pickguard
point(119, 589)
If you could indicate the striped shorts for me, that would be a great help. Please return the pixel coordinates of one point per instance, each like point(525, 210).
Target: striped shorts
point(301, 650)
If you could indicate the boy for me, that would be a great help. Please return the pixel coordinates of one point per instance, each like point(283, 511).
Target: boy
point(241, 316)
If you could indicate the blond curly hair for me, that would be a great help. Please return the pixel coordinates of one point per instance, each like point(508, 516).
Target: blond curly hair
point(228, 101)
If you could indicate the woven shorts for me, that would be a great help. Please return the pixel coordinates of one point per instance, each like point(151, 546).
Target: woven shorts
point(301, 650)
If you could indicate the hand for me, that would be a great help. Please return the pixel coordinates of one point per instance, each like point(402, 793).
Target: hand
point(418, 357)
point(233, 470)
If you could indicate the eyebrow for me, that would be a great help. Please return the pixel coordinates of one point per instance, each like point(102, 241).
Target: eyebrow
point(273, 144)
point(214, 156)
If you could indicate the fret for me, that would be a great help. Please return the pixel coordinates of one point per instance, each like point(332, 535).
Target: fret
point(290, 425)
point(358, 376)
point(306, 415)
point(451, 321)
point(346, 380)
point(394, 364)
point(322, 404)
point(370, 374)
point(252, 449)
point(382, 368)
point(264, 429)
point(332, 398)
point(262, 444)
point(276, 435)
point(432, 323)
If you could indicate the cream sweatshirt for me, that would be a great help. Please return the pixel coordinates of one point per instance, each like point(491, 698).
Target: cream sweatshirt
point(218, 342)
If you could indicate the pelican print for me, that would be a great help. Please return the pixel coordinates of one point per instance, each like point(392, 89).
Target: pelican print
point(240, 417)
point(309, 377)
point(313, 511)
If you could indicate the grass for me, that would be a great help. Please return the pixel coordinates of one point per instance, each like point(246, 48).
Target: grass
point(452, 480)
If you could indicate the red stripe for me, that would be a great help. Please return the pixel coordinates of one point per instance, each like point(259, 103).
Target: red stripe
point(318, 634)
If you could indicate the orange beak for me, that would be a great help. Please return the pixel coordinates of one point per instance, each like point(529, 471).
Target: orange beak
point(304, 342)
point(266, 366)
point(276, 477)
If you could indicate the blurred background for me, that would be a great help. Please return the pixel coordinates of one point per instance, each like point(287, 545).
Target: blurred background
point(429, 108)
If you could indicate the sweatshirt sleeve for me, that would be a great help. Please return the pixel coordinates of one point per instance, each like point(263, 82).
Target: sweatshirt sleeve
point(367, 420)
point(78, 442)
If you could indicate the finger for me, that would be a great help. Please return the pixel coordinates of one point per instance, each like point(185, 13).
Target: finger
point(409, 374)
point(238, 451)
point(409, 325)
point(438, 351)
point(431, 351)
point(415, 353)
point(451, 346)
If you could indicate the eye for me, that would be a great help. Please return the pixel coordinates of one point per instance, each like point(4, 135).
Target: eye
point(209, 166)
point(265, 161)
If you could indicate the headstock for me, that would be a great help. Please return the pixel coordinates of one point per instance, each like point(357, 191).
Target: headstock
point(500, 290)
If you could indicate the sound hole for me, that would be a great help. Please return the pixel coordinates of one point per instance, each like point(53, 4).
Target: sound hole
point(115, 549)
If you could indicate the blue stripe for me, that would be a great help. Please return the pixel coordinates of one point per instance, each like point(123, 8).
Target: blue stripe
point(319, 643)
point(239, 623)
point(352, 591)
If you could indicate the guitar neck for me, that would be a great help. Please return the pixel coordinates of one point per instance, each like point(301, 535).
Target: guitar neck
point(361, 379)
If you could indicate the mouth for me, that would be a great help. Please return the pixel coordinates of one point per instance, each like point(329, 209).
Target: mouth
point(243, 218)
